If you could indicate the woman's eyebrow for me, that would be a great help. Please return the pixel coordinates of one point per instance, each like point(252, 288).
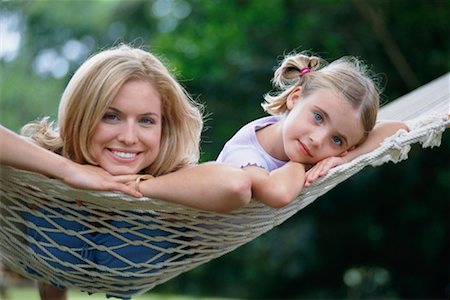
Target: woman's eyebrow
point(150, 113)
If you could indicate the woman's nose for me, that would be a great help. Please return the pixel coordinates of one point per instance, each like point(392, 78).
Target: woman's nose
point(128, 134)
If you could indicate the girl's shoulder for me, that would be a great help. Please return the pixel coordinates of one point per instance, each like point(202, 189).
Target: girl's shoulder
point(248, 131)
point(260, 123)
point(265, 121)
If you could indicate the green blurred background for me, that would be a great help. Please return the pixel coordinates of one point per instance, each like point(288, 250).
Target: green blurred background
point(384, 233)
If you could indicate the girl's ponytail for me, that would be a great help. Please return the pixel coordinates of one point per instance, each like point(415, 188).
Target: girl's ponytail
point(291, 73)
point(290, 70)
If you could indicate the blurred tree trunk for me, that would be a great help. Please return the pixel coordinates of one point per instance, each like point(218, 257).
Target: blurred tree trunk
point(375, 19)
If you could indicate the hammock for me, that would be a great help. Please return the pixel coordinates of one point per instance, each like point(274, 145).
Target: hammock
point(179, 238)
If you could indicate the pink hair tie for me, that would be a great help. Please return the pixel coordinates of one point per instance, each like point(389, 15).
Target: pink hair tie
point(303, 71)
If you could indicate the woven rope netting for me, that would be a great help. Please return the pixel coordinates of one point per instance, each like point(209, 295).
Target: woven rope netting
point(153, 240)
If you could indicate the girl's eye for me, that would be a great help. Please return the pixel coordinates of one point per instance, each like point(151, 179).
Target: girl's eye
point(318, 117)
point(337, 140)
point(110, 117)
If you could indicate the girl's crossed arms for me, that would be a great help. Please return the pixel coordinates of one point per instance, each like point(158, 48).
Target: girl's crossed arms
point(321, 117)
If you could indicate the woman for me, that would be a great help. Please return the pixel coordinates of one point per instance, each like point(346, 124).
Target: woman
point(124, 112)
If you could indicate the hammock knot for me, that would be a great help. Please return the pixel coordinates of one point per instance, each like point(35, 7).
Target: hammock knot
point(435, 136)
point(426, 130)
point(433, 139)
point(429, 129)
point(392, 149)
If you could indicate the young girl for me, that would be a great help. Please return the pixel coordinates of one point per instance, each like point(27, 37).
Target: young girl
point(321, 115)
point(123, 111)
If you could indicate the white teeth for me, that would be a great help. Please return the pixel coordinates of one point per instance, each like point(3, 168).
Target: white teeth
point(126, 155)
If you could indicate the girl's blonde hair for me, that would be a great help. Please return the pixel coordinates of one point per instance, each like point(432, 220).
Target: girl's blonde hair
point(347, 76)
point(91, 91)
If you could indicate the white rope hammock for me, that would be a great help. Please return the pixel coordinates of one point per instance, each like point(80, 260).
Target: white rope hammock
point(178, 237)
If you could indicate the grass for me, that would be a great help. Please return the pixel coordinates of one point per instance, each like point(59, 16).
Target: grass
point(31, 293)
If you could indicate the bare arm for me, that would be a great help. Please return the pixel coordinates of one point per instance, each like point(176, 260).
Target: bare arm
point(209, 186)
point(20, 153)
point(279, 187)
point(381, 131)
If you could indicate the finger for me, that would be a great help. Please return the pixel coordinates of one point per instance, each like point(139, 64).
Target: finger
point(127, 190)
point(309, 179)
point(314, 173)
point(324, 170)
point(125, 178)
point(309, 182)
point(333, 164)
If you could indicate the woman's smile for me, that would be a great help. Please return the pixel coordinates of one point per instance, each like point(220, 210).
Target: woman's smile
point(124, 154)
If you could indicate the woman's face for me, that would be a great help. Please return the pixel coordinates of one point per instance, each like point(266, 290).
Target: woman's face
point(320, 125)
point(128, 137)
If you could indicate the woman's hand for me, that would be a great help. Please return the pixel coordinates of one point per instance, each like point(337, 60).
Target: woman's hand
point(90, 177)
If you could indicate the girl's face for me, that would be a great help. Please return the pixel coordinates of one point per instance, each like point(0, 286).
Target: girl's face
point(128, 137)
point(319, 126)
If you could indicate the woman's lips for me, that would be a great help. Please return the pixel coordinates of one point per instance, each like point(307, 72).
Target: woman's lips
point(124, 155)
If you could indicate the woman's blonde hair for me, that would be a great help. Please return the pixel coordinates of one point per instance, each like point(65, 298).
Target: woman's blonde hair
point(91, 91)
point(347, 76)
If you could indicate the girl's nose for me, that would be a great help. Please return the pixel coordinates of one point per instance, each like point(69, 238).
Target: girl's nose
point(128, 134)
point(317, 137)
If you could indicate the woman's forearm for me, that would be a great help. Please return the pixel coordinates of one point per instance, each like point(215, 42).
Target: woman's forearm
point(21, 153)
point(209, 186)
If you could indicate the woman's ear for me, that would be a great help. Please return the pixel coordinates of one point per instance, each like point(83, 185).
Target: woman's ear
point(293, 97)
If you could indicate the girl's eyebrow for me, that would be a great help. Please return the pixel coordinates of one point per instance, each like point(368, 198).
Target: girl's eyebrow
point(326, 116)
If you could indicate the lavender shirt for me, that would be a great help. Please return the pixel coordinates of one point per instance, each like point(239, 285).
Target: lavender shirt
point(243, 149)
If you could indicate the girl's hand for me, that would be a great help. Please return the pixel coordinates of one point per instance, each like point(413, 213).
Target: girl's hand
point(90, 177)
point(321, 168)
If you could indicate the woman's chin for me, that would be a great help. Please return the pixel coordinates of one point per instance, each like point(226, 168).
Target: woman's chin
point(121, 171)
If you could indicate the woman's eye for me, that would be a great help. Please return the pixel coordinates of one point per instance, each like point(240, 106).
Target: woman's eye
point(147, 121)
point(337, 140)
point(318, 117)
point(110, 117)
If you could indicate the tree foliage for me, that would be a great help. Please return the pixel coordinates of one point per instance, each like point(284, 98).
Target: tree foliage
point(383, 233)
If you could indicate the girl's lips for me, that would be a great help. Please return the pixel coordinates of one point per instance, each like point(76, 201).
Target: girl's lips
point(305, 149)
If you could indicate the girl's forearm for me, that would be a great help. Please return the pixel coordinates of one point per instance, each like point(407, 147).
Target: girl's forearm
point(208, 186)
point(381, 131)
point(279, 187)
